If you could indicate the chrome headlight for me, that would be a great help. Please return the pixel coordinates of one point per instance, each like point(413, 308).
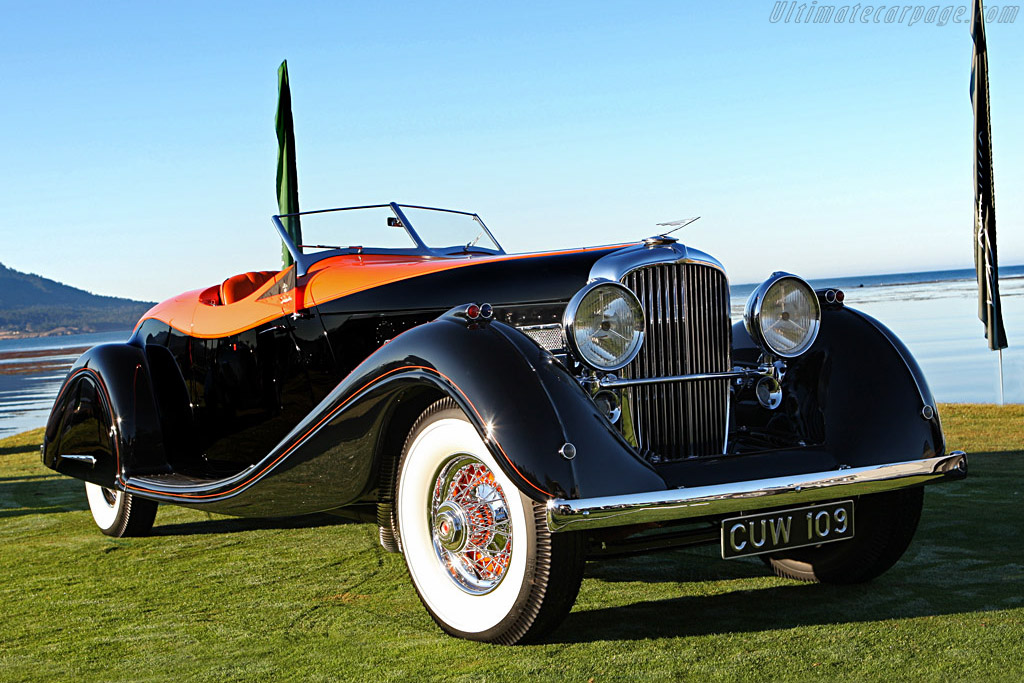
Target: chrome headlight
point(783, 315)
point(604, 325)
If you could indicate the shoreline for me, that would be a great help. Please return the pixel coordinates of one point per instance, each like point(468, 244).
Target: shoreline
point(6, 335)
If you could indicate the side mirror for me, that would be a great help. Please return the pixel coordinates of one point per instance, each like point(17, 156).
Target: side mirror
point(394, 222)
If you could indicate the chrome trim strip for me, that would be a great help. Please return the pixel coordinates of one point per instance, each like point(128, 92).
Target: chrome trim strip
point(87, 459)
point(611, 382)
point(749, 496)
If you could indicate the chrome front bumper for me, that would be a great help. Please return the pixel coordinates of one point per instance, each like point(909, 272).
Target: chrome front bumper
point(749, 496)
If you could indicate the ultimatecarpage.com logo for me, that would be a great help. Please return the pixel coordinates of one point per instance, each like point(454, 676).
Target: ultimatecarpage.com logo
point(795, 12)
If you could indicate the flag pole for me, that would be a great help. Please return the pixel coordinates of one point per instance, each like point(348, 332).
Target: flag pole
point(1000, 377)
point(986, 259)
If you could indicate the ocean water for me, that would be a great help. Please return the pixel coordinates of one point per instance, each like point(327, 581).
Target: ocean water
point(934, 313)
point(31, 372)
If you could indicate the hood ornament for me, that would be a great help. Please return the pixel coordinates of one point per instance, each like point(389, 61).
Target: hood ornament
point(663, 238)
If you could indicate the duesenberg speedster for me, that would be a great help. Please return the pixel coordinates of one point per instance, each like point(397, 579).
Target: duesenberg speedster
point(506, 417)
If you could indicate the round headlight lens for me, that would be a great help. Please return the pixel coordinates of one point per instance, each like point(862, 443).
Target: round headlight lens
point(604, 325)
point(783, 315)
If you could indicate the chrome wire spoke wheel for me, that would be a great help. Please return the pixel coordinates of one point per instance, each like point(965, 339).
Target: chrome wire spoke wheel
point(471, 529)
point(478, 551)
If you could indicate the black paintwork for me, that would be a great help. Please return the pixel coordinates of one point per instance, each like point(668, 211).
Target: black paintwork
point(107, 381)
point(855, 398)
point(337, 443)
point(308, 412)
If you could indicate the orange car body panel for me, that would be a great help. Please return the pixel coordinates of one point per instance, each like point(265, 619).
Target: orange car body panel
point(332, 278)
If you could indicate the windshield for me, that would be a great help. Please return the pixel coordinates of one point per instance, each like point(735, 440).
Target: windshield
point(449, 230)
point(361, 227)
point(386, 228)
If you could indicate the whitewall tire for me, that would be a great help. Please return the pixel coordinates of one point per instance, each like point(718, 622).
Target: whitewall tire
point(117, 513)
point(478, 551)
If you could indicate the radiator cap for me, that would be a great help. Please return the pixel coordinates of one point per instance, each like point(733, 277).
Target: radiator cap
point(659, 240)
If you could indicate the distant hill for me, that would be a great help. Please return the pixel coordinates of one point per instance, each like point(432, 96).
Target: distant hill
point(35, 306)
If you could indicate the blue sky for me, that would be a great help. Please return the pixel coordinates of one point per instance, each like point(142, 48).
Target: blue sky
point(140, 153)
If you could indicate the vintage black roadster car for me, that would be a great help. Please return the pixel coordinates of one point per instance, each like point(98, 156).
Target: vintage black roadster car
point(506, 417)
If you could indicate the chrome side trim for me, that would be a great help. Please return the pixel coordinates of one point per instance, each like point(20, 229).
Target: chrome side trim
point(749, 496)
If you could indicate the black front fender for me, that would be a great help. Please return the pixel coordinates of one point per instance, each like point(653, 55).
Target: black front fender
point(525, 405)
point(857, 391)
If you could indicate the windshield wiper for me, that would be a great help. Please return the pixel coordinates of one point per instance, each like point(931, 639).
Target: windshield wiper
point(318, 246)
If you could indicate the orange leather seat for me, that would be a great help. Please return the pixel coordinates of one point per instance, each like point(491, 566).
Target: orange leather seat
point(238, 287)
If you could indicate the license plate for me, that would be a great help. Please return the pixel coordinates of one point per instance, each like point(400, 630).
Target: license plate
point(770, 532)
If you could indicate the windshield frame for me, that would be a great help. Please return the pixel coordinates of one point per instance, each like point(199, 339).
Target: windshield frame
point(304, 261)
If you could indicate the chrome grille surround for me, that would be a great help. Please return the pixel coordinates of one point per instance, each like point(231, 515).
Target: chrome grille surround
point(685, 295)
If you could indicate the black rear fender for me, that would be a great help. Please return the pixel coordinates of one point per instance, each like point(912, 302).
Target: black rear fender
point(105, 421)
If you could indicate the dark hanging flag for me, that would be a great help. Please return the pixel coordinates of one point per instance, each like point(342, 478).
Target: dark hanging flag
point(287, 176)
point(985, 255)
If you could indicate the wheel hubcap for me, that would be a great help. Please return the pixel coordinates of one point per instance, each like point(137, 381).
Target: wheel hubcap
point(450, 527)
point(470, 525)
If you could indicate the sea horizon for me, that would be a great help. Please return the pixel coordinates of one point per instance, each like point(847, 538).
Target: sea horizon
point(890, 279)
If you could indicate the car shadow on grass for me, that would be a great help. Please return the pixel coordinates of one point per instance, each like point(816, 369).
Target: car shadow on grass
point(231, 525)
point(958, 563)
point(18, 450)
point(40, 495)
point(762, 609)
point(694, 564)
point(28, 477)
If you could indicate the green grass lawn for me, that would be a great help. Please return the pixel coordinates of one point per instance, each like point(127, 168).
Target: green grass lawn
point(215, 598)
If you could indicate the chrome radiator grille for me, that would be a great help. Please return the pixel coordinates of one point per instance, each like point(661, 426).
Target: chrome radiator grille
point(686, 308)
